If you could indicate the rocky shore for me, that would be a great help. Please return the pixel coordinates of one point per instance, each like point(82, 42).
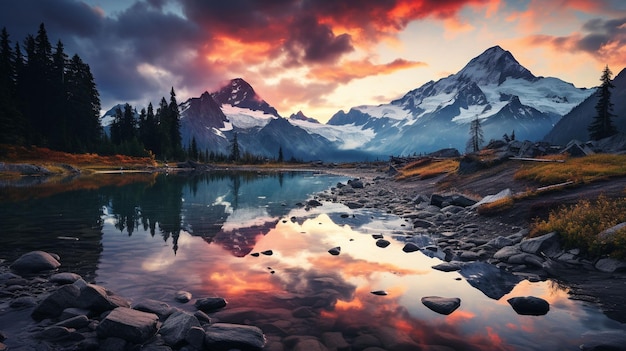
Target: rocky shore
point(62, 311)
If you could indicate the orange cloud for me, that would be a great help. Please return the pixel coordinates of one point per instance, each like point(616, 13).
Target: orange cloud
point(359, 69)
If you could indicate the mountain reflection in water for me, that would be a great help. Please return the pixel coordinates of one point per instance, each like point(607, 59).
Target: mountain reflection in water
point(159, 234)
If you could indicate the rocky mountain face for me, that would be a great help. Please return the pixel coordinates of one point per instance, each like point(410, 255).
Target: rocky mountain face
point(574, 124)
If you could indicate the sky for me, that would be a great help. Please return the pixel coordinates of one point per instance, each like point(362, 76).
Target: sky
point(317, 56)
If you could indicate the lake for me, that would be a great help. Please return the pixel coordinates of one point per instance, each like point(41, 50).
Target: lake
point(251, 238)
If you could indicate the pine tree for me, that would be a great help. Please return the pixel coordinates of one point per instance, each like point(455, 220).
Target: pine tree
point(83, 111)
point(280, 155)
point(234, 153)
point(602, 125)
point(174, 127)
point(11, 125)
point(194, 149)
point(476, 136)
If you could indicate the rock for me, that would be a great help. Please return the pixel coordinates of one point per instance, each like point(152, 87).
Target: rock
point(504, 253)
point(131, 325)
point(603, 340)
point(313, 203)
point(98, 299)
point(233, 336)
point(55, 333)
point(410, 247)
point(210, 304)
point(310, 345)
point(469, 256)
point(267, 252)
point(493, 198)
point(113, 344)
point(65, 278)
point(174, 329)
point(34, 262)
point(353, 205)
point(609, 233)
point(23, 302)
point(610, 265)
point(56, 302)
point(203, 318)
point(335, 251)
point(74, 322)
point(379, 292)
point(183, 296)
point(365, 341)
point(546, 244)
point(529, 305)
point(335, 341)
point(195, 337)
point(356, 184)
point(500, 242)
point(382, 243)
point(441, 305)
point(489, 279)
point(448, 266)
point(159, 308)
point(72, 312)
point(422, 223)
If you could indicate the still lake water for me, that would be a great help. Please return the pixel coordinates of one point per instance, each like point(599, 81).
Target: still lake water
point(148, 236)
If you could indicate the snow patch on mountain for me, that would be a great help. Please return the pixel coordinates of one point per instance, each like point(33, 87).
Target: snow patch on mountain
point(244, 118)
point(347, 137)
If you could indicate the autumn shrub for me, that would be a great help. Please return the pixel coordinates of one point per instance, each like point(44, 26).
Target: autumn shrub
point(579, 226)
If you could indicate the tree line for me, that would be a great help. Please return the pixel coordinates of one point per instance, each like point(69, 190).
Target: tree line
point(46, 98)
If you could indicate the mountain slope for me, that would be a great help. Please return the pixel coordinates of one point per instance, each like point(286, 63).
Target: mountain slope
point(574, 124)
point(239, 93)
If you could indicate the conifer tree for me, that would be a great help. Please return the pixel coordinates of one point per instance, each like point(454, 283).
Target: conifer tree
point(602, 125)
point(476, 136)
point(234, 153)
point(10, 117)
point(174, 127)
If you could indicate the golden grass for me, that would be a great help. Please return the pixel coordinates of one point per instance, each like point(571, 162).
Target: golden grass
point(490, 208)
point(427, 168)
point(579, 170)
point(51, 158)
point(580, 224)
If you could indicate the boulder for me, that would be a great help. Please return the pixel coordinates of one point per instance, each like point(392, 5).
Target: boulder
point(603, 340)
point(98, 299)
point(174, 329)
point(310, 345)
point(65, 278)
point(233, 336)
point(448, 266)
point(529, 305)
point(159, 308)
point(335, 251)
point(34, 262)
point(610, 265)
point(382, 243)
point(356, 183)
point(185, 296)
point(195, 337)
point(546, 244)
point(489, 279)
point(410, 247)
point(335, 341)
point(131, 325)
point(441, 305)
point(210, 304)
point(54, 304)
point(500, 242)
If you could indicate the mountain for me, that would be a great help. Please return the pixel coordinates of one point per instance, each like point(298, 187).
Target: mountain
point(203, 119)
point(493, 87)
point(239, 93)
point(574, 124)
point(299, 116)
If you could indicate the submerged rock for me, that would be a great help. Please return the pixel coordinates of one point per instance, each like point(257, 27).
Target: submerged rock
point(491, 280)
point(210, 304)
point(128, 324)
point(233, 336)
point(335, 251)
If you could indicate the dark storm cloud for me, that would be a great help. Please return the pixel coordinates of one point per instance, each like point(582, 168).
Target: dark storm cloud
point(603, 32)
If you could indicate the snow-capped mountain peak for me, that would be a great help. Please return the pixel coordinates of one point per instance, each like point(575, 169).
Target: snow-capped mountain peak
point(239, 93)
point(494, 66)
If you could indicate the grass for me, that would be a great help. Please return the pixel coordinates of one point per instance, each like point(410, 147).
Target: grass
point(51, 159)
point(425, 168)
point(580, 170)
point(580, 224)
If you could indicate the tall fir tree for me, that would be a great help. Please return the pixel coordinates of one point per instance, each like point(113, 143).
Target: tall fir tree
point(11, 125)
point(476, 136)
point(602, 125)
point(174, 127)
point(235, 154)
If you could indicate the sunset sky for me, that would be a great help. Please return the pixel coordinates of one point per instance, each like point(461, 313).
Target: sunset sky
point(318, 56)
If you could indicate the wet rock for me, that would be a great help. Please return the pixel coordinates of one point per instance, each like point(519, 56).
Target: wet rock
point(76, 322)
point(72, 312)
point(310, 345)
point(174, 329)
point(410, 247)
point(183, 296)
point(161, 309)
point(610, 265)
point(97, 298)
point(469, 256)
point(441, 305)
point(233, 336)
point(65, 278)
point(313, 203)
point(448, 266)
point(395, 339)
point(382, 243)
point(210, 304)
point(422, 223)
point(113, 344)
point(500, 242)
point(504, 253)
point(35, 261)
point(529, 305)
point(356, 184)
point(379, 292)
point(23, 302)
point(335, 251)
point(203, 318)
point(267, 252)
point(195, 337)
point(353, 205)
point(131, 325)
point(56, 302)
point(335, 341)
point(365, 341)
point(55, 333)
